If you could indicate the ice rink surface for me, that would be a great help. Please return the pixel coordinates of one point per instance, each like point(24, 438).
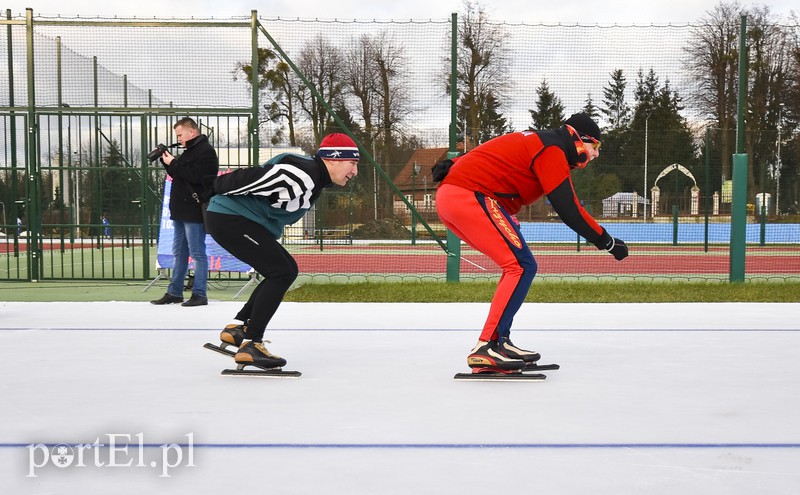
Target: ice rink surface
point(650, 398)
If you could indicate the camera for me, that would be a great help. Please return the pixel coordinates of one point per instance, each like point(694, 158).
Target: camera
point(157, 152)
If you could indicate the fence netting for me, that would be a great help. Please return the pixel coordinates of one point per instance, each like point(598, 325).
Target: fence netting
point(107, 91)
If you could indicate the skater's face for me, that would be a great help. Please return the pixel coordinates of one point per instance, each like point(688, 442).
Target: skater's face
point(341, 171)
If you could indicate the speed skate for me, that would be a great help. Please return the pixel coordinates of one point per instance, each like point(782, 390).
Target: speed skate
point(259, 371)
point(526, 374)
point(254, 370)
point(222, 350)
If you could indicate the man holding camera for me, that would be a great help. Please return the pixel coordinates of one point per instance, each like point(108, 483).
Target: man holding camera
point(187, 171)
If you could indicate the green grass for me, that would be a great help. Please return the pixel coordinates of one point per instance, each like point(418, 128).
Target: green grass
point(541, 291)
point(553, 292)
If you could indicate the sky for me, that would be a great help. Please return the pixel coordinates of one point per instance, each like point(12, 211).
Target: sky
point(623, 12)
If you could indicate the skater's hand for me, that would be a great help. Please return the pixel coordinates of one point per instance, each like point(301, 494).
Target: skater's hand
point(618, 248)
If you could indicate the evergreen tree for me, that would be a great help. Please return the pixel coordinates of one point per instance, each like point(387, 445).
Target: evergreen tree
point(549, 113)
point(590, 109)
point(494, 124)
point(615, 138)
point(645, 93)
point(658, 125)
point(617, 112)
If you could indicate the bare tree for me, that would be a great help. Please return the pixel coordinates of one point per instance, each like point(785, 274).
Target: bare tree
point(285, 86)
point(391, 88)
point(321, 63)
point(713, 54)
point(714, 61)
point(789, 121)
point(482, 66)
point(376, 79)
point(277, 84)
point(360, 74)
point(769, 81)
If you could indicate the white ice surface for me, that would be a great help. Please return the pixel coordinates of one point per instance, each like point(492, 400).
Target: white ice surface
point(651, 398)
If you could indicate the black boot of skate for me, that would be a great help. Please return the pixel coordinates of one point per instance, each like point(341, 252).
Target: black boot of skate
point(505, 346)
point(487, 357)
point(255, 354)
point(233, 335)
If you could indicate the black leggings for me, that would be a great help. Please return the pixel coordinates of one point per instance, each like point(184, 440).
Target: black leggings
point(252, 244)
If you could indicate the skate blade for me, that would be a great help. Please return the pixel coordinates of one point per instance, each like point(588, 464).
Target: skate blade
point(496, 377)
point(273, 373)
point(219, 349)
point(540, 367)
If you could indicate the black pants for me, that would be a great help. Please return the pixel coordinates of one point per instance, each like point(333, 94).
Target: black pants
point(252, 244)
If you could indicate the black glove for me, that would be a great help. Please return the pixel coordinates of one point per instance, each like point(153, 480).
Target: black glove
point(618, 248)
point(613, 245)
point(440, 170)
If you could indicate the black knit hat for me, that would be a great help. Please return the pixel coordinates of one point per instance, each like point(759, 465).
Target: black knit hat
point(585, 126)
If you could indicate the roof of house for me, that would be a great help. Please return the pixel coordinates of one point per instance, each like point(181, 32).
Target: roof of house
point(425, 158)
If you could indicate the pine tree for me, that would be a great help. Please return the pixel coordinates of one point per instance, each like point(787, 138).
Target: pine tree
point(617, 112)
point(549, 113)
point(590, 109)
point(493, 122)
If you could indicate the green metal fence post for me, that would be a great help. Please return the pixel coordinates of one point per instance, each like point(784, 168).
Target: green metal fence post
point(144, 124)
point(413, 202)
point(254, 71)
point(738, 218)
point(12, 134)
point(34, 172)
point(739, 199)
point(674, 225)
point(707, 188)
point(60, 103)
point(453, 242)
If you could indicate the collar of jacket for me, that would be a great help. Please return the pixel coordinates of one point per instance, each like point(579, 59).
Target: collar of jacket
point(562, 139)
point(569, 146)
point(196, 140)
point(324, 174)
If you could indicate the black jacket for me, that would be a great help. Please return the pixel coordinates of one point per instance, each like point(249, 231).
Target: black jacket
point(199, 160)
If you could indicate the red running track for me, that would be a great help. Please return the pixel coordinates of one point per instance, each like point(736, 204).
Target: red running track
point(642, 262)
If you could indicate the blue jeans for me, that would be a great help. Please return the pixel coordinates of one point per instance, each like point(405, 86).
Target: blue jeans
point(189, 239)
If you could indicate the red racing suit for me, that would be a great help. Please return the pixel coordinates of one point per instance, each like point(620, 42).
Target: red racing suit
point(487, 186)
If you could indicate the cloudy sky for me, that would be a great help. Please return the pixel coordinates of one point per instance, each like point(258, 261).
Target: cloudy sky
point(528, 11)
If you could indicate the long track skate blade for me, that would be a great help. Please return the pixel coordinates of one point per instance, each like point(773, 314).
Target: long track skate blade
point(219, 349)
point(498, 377)
point(540, 367)
point(276, 373)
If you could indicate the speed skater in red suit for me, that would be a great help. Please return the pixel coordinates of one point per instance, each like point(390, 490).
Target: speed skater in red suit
point(477, 201)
